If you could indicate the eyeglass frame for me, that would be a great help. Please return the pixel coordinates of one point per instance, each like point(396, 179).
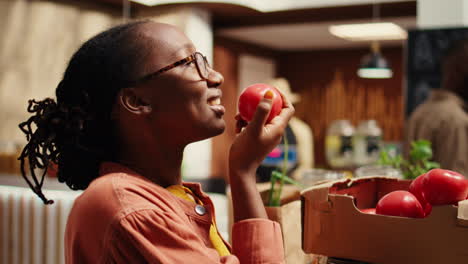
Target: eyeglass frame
point(183, 61)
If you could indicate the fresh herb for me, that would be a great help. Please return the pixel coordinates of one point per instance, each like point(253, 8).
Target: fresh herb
point(274, 198)
point(419, 161)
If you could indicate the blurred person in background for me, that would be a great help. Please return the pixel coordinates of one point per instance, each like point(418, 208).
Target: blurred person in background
point(443, 117)
point(130, 100)
point(300, 142)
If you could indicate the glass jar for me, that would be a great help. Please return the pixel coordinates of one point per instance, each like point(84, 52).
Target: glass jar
point(367, 142)
point(339, 145)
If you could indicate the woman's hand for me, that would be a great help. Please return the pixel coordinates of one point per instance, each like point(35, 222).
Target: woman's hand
point(252, 144)
point(255, 140)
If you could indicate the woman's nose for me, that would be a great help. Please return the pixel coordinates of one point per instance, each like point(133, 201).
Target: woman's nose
point(214, 79)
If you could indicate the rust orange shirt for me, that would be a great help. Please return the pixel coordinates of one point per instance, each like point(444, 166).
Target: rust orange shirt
point(123, 217)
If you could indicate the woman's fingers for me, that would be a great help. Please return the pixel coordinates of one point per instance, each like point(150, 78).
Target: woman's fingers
point(258, 122)
point(281, 120)
point(261, 113)
point(283, 117)
point(240, 123)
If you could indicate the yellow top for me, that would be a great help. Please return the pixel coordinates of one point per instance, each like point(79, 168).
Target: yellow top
point(186, 194)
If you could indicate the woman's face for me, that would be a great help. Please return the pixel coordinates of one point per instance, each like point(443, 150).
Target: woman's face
point(184, 105)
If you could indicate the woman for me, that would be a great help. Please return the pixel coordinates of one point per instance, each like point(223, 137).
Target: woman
point(130, 100)
point(443, 118)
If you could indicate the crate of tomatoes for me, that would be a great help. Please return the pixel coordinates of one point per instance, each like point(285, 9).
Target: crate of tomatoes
point(385, 220)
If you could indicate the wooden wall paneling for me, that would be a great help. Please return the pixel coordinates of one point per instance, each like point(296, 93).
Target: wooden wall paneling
point(331, 90)
point(225, 62)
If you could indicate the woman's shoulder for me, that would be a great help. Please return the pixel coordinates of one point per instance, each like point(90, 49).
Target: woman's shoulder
point(120, 192)
point(117, 201)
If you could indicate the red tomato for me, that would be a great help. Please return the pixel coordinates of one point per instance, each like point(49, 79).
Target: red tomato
point(252, 95)
point(427, 207)
point(400, 203)
point(416, 189)
point(368, 210)
point(444, 187)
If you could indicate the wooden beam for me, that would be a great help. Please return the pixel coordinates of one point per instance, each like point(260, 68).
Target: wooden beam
point(239, 47)
point(315, 15)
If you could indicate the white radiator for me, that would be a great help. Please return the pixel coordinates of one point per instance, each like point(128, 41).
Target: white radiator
point(31, 232)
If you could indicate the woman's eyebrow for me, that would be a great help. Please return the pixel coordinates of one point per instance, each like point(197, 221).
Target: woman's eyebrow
point(187, 47)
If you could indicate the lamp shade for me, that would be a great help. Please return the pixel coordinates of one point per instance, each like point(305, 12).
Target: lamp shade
point(374, 66)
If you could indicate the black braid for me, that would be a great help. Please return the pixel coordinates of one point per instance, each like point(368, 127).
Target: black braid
point(40, 148)
point(76, 131)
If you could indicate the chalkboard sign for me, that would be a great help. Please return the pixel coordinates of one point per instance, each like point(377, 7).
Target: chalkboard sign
point(424, 51)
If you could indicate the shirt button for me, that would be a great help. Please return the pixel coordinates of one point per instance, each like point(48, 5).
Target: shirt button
point(200, 210)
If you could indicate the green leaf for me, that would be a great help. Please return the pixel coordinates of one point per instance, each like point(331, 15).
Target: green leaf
point(420, 150)
point(407, 175)
point(384, 158)
point(398, 161)
point(277, 175)
point(419, 160)
point(429, 165)
point(274, 195)
point(271, 201)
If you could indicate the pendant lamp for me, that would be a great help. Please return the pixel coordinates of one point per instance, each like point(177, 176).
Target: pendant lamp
point(374, 65)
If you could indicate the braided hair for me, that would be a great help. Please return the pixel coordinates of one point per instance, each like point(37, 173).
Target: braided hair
point(76, 131)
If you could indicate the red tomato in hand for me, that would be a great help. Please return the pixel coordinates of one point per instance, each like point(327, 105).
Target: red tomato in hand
point(400, 203)
point(417, 190)
point(252, 95)
point(444, 187)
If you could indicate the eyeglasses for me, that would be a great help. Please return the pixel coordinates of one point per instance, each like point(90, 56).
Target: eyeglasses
point(200, 61)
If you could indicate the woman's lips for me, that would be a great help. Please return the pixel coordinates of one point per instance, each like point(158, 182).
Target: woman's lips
point(215, 105)
point(218, 109)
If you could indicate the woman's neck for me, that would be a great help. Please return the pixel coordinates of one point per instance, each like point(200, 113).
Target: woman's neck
point(159, 163)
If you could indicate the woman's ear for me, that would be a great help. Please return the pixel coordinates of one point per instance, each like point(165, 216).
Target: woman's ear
point(133, 102)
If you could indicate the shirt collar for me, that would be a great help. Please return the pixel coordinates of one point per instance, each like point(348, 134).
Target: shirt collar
point(108, 167)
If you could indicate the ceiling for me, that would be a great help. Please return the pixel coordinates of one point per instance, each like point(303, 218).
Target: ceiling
point(307, 29)
point(303, 27)
point(306, 36)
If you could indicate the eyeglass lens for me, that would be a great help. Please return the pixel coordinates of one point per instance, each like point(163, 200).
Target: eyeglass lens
point(202, 65)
